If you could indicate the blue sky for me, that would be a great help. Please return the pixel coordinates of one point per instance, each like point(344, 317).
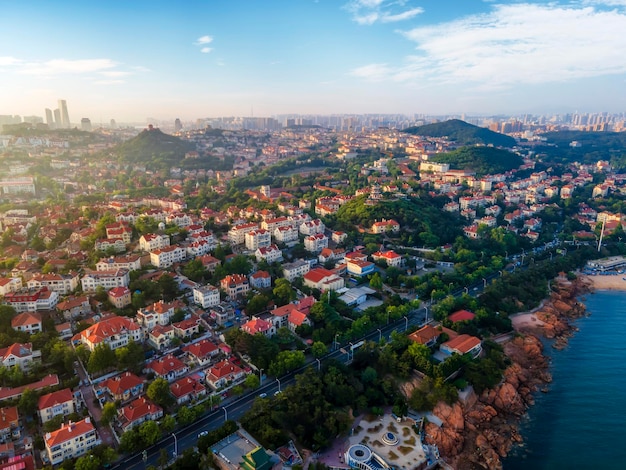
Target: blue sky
point(137, 59)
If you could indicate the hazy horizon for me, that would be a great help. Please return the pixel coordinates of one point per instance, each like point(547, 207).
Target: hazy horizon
point(162, 60)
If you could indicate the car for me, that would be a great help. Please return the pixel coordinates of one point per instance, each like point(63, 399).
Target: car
point(203, 433)
point(277, 392)
point(263, 395)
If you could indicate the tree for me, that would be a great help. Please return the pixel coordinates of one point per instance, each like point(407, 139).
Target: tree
point(109, 411)
point(28, 402)
point(319, 349)
point(88, 462)
point(168, 287)
point(283, 292)
point(186, 415)
point(130, 357)
point(149, 432)
point(376, 281)
point(168, 423)
point(163, 458)
point(159, 392)
point(252, 381)
point(101, 358)
point(195, 270)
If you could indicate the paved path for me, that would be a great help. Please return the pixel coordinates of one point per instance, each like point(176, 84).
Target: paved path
point(105, 433)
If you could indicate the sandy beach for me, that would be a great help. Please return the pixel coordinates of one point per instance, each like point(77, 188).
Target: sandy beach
point(616, 282)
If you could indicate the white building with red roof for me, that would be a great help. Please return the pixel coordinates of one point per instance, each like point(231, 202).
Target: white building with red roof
point(187, 327)
point(202, 352)
point(19, 354)
point(61, 283)
point(168, 367)
point(462, 344)
point(258, 325)
point(236, 235)
point(160, 336)
point(261, 280)
point(158, 313)
point(71, 441)
point(187, 389)
point(390, 257)
point(123, 387)
point(54, 404)
point(269, 253)
point(222, 373)
point(32, 300)
point(167, 256)
point(257, 239)
point(323, 279)
point(235, 284)
point(286, 234)
point(29, 322)
point(385, 225)
point(105, 279)
point(312, 227)
point(114, 331)
point(119, 296)
point(10, 284)
point(153, 241)
point(316, 243)
point(137, 412)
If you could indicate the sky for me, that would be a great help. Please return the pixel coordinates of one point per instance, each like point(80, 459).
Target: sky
point(136, 59)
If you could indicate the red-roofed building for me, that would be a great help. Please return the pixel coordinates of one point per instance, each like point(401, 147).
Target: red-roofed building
point(323, 279)
point(9, 423)
point(201, 352)
point(462, 344)
point(71, 441)
point(9, 461)
point(161, 336)
point(187, 328)
point(119, 297)
point(114, 331)
point(258, 325)
point(7, 393)
point(261, 280)
point(187, 389)
point(461, 315)
point(123, 387)
point(168, 367)
point(385, 226)
point(390, 257)
point(235, 284)
point(222, 373)
point(138, 411)
point(19, 354)
point(426, 335)
point(30, 322)
point(54, 404)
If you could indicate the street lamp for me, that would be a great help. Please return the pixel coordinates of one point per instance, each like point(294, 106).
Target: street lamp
point(406, 323)
point(466, 289)
point(337, 334)
point(278, 380)
point(225, 414)
point(450, 286)
point(426, 315)
point(484, 283)
point(175, 445)
point(380, 335)
point(319, 365)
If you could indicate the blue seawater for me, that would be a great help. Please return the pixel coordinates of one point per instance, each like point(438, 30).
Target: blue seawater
point(581, 422)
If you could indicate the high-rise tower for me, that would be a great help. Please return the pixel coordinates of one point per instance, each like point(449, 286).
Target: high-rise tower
point(49, 118)
point(65, 117)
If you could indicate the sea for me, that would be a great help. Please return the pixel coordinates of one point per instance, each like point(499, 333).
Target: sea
point(580, 423)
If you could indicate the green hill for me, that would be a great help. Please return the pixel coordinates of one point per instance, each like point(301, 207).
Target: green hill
point(483, 160)
point(154, 147)
point(462, 133)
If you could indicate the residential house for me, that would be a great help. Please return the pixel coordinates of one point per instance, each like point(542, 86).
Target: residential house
point(160, 336)
point(167, 256)
point(153, 241)
point(390, 257)
point(187, 389)
point(258, 325)
point(206, 296)
point(360, 268)
point(30, 322)
point(119, 297)
point(236, 235)
point(137, 412)
point(71, 441)
point(235, 285)
point(168, 367)
point(123, 387)
point(257, 239)
point(64, 330)
point(201, 352)
point(462, 344)
point(298, 268)
point(116, 245)
point(261, 280)
point(30, 300)
point(312, 227)
point(461, 315)
point(119, 230)
point(105, 279)
point(386, 226)
point(286, 234)
point(19, 354)
point(315, 243)
point(323, 279)
point(10, 284)
point(426, 335)
point(9, 424)
point(210, 263)
point(114, 331)
point(158, 313)
point(54, 404)
point(223, 373)
point(338, 237)
point(74, 307)
point(270, 254)
point(187, 328)
point(130, 262)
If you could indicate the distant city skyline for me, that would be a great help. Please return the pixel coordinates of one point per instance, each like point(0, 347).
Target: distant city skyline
point(209, 59)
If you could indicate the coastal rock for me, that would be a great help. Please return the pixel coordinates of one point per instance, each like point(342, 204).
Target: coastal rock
point(449, 442)
point(452, 416)
point(508, 400)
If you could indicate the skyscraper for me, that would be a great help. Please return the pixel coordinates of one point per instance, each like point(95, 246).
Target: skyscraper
point(177, 125)
point(85, 124)
point(49, 118)
point(65, 117)
point(57, 119)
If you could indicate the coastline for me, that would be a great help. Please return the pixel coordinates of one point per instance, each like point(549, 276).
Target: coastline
point(480, 431)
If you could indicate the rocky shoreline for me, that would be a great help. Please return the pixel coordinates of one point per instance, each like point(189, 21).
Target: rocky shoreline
point(478, 432)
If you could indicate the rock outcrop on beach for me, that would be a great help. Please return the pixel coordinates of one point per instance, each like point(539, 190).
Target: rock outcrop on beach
point(478, 433)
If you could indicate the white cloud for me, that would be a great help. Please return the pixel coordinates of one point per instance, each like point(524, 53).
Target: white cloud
point(514, 44)
point(64, 66)
point(206, 50)
point(115, 73)
point(109, 82)
point(203, 40)
point(5, 61)
point(368, 12)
